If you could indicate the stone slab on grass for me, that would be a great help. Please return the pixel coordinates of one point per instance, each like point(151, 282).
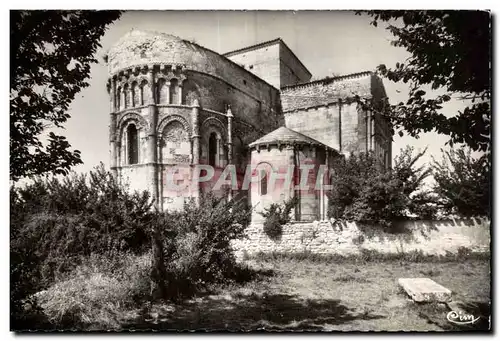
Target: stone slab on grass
point(425, 290)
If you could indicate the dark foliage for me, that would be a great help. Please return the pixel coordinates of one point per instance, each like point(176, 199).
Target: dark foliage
point(50, 59)
point(450, 51)
point(276, 216)
point(463, 183)
point(198, 249)
point(365, 192)
point(56, 223)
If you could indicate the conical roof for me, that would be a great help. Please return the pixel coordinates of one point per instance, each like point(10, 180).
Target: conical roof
point(284, 135)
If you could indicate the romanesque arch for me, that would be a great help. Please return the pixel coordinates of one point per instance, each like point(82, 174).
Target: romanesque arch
point(141, 122)
point(136, 99)
point(170, 118)
point(191, 92)
point(126, 96)
point(264, 169)
point(214, 139)
point(162, 91)
point(145, 90)
point(213, 124)
point(174, 91)
point(131, 128)
point(175, 144)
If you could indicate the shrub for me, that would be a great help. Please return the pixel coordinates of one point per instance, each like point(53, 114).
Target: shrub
point(199, 248)
point(276, 216)
point(57, 223)
point(99, 293)
point(365, 192)
point(95, 225)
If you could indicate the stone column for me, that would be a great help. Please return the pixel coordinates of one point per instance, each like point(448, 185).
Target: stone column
point(152, 88)
point(195, 138)
point(230, 143)
point(151, 157)
point(112, 130)
point(195, 112)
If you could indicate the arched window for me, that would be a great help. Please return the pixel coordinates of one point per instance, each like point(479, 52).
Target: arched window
point(118, 98)
point(143, 87)
point(136, 99)
point(162, 91)
point(132, 145)
point(126, 100)
point(174, 91)
point(263, 182)
point(212, 149)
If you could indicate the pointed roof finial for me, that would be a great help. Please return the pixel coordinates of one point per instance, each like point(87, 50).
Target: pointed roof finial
point(229, 112)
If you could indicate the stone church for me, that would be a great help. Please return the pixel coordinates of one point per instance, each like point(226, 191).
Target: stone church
point(175, 104)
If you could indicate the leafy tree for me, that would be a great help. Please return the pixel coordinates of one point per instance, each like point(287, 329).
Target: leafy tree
point(463, 183)
point(365, 192)
point(51, 55)
point(450, 51)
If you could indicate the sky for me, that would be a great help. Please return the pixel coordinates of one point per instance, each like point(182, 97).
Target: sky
point(327, 42)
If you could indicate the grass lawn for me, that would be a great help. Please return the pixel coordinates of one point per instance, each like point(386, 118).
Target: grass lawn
point(322, 295)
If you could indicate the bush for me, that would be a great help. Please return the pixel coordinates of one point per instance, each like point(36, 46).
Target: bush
point(364, 192)
point(201, 252)
point(99, 293)
point(57, 223)
point(276, 216)
point(95, 225)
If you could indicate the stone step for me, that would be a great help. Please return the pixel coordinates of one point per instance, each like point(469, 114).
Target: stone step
point(425, 290)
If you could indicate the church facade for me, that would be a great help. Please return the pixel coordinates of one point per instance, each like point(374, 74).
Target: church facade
point(183, 118)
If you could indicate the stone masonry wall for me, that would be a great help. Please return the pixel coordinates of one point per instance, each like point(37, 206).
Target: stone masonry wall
point(331, 101)
point(305, 122)
point(274, 63)
point(431, 237)
point(353, 128)
point(322, 92)
point(291, 69)
point(262, 62)
point(214, 94)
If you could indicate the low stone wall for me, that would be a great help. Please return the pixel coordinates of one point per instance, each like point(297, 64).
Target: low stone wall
point(325, 237)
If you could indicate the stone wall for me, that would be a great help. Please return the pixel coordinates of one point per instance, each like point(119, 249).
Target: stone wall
point(273, 62)
point(139, 48)
point(249, 102)
point(325, 91)
point(136, 177)
point(347, 127)
point(262, 62)
point(349, 137)
point(431, 237)
point(292, 71)
point(278, 161)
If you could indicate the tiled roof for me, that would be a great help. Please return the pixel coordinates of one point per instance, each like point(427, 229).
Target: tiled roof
point(284, 135)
